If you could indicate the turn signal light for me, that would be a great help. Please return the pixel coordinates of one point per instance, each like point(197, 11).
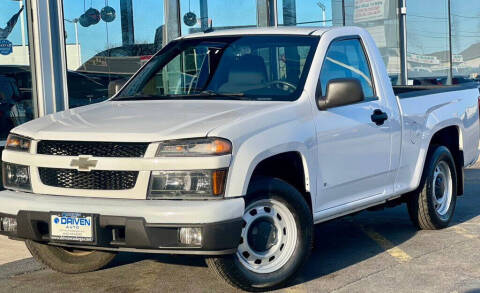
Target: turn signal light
point(218, 181)
point(18, 143)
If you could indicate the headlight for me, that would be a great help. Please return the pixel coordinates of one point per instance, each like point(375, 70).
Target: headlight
point(16, 177)
point(187, 184)
point(18, 143)
point(194, 147)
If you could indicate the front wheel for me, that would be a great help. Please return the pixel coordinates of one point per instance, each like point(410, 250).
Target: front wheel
point(433, 206)
point(69, 260)
point(275, 241)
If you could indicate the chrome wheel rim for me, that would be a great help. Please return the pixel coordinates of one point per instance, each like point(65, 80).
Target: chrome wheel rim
point(442, 188)
point(268, 238)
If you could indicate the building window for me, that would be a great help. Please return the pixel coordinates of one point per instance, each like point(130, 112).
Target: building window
point(107, 42)
point(427, 41)
point(16, 99)
point(465, 22)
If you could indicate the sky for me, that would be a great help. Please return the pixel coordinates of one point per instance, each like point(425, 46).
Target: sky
point(427, 28)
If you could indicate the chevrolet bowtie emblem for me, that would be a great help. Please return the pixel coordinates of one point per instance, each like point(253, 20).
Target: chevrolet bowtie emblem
point(84, 163)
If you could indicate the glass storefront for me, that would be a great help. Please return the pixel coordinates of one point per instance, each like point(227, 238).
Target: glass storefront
point(465, 18)
point(16, 98)
point(429, 56)
point(108, 41)
point(379, 17)
point(427, 41)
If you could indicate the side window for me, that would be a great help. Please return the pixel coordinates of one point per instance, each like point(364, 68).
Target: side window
point(346, 59)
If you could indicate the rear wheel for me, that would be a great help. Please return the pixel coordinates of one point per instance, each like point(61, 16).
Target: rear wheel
point(69, 260)
point(433, 206)
point(275, 241)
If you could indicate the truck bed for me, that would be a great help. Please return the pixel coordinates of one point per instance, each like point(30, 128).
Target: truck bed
point(425, 109)
point(410, 91)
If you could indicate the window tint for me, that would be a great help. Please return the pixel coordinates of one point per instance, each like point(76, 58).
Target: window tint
point(346, 59)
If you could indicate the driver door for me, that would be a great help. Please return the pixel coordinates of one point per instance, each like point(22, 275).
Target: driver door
point(354, 152)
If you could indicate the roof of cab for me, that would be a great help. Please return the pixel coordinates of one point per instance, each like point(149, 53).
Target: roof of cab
point(282, 30)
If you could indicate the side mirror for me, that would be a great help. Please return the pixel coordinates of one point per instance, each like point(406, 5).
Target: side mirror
point(115, 85)
point(341, 92)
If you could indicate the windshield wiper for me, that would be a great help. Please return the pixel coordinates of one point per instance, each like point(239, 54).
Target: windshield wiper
point(217, 94)
point(203, 94)
point(146, 97)
point(211, 93)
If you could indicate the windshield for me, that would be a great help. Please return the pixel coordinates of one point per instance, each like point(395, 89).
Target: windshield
point(268, 68)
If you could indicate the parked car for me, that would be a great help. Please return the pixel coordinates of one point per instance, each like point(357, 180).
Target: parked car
point(83, 88)
point(23, 79)
point(426, 81)
point(457, 80)
point(236, 154)
point(89, 83)
point(124, 60)
point(13, 111)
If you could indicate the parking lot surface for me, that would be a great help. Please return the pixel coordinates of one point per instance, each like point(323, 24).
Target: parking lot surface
point(368, 252)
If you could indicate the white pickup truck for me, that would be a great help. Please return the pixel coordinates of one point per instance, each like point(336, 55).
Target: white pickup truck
point(232, 145)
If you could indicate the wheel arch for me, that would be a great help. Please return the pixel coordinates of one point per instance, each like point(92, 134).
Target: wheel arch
point(451, 138)
point(289, 166)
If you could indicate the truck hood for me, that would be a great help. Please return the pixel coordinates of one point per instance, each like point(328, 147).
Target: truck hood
point(141, 121)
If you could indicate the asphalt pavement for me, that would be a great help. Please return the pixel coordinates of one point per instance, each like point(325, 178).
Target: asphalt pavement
point(370, 252)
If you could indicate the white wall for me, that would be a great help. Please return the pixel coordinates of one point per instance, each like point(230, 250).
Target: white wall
point(20, 56)
point(73, 58)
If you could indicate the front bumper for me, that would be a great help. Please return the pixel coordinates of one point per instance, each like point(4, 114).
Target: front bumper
point(130, 225)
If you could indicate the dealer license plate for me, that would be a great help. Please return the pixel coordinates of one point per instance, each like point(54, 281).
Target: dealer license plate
point(71, 227)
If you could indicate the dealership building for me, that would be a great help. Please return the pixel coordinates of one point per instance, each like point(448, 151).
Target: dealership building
point(60, 54)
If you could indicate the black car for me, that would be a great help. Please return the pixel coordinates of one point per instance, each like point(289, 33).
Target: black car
point(12, 112)
point(83, 88)
point(124, 60)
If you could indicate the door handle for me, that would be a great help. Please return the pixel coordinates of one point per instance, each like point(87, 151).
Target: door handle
point(379, 117)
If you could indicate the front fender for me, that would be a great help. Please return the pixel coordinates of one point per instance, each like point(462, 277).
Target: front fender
point(294, 136)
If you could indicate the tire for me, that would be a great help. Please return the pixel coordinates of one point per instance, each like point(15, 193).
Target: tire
point(69, 261)
point(271, 203)
point(433, 206)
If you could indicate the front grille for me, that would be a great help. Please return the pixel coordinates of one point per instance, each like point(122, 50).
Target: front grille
point(96, 149)
point(95, 180)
